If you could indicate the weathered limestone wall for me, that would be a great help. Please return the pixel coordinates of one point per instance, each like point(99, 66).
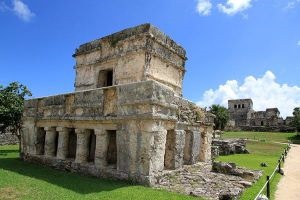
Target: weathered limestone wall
point(136, 54)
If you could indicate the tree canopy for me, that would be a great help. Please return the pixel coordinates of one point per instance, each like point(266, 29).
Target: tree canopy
point(11, 107)
point(222, 116)
point(296, 120)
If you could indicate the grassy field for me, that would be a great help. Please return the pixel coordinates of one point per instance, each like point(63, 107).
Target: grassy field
point(259, 152)
point(20, 180)
point(265, 136)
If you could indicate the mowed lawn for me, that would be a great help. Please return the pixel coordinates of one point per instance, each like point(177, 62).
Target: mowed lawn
point(265, 136)
point(263, 150)
point(20, 180)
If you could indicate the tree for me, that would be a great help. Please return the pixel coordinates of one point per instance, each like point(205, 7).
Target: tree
point(296, 120)
point(11, 107)
point(222, 116)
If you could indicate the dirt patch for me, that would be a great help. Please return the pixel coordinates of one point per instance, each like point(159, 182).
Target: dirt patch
point(10, 193)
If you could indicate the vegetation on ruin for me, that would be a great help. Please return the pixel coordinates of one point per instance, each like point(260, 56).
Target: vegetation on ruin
point(296, 120)
point(21, 180)
point(259, 152)
point(11, 107)
point(222, 116)
point(265, 136)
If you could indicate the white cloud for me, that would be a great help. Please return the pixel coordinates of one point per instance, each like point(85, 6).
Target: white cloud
point(298, 43)
point(265, 92)
point(22, 10)
point(291, 4)
point(232, 7)
point(204, 7)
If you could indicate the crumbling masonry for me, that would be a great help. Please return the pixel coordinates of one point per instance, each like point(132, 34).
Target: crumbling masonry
point(127, 119)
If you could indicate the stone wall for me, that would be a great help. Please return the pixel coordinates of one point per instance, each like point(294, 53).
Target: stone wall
point(133, 55)
point(8, 139)
point(230, 146)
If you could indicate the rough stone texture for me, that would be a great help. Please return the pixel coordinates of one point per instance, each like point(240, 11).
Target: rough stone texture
point(199, 180)
point(243, 117)
point(230, 146)
point(8, 138)
point(128, 98)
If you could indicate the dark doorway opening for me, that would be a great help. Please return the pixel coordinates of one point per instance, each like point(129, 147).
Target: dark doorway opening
point(72, 144)
point(40, 145)
point(92, 146)
point(105, 78)
point(56, 143)
point(111, 157)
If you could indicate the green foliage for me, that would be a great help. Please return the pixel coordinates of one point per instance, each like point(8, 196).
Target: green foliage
point(259, 152)
point(21, 180)
point(222, 116)
point(11, 106)
point(296, 120)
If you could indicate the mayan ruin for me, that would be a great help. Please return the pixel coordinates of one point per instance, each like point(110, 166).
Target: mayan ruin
point(243, 116)
point(126, 118)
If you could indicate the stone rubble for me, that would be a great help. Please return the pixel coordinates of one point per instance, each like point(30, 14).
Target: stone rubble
point(200, 180)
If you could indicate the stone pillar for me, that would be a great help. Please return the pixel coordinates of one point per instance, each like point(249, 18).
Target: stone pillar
point(63, 139)
point(82, 150)
point(50, 141)
point(196, 147)
point(101, 148)
point(206, 139)
point(179, 146)
point(192, 147)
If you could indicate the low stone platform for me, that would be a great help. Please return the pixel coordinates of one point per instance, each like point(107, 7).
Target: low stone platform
point(230, 146)
point(199, 180)
point(8, 139)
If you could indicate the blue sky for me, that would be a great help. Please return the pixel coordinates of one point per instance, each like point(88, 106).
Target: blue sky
point(235, 48)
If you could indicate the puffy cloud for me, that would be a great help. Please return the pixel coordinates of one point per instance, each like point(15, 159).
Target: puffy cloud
point(264, 91)
point(204, 7)
point(232, 7)
point(291, 4)
point(22, 10)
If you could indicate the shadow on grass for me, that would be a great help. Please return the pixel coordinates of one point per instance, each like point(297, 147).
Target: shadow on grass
point(75, 182)
point(295, 139)
point(7, 151)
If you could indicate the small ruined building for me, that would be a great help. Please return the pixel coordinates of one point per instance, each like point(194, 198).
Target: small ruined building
point(127, 119)
point(243, 116)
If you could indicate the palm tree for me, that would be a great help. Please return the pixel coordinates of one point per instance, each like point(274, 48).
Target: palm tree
point(222, 116)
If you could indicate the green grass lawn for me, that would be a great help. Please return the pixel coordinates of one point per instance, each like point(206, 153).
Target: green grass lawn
point(21, 180)
point(265, 136)
point(259, 152)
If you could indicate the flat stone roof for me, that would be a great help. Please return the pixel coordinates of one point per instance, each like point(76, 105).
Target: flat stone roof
point(147, 29)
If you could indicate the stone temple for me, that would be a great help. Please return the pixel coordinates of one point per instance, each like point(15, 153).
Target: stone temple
point(244, 117)
point(127, 118)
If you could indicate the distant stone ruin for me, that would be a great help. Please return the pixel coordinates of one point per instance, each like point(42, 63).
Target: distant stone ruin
point(8, 139)
point(127, 119)
point(243, 117)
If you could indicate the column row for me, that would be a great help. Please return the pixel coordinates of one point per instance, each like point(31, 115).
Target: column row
point(82, 145)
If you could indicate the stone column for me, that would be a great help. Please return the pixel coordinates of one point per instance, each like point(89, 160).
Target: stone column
point(195, 147)
point(205, 146)
point(63, 139)
point(101, 148)
point(82, 150)
point(179, 146)
point(50, 141)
